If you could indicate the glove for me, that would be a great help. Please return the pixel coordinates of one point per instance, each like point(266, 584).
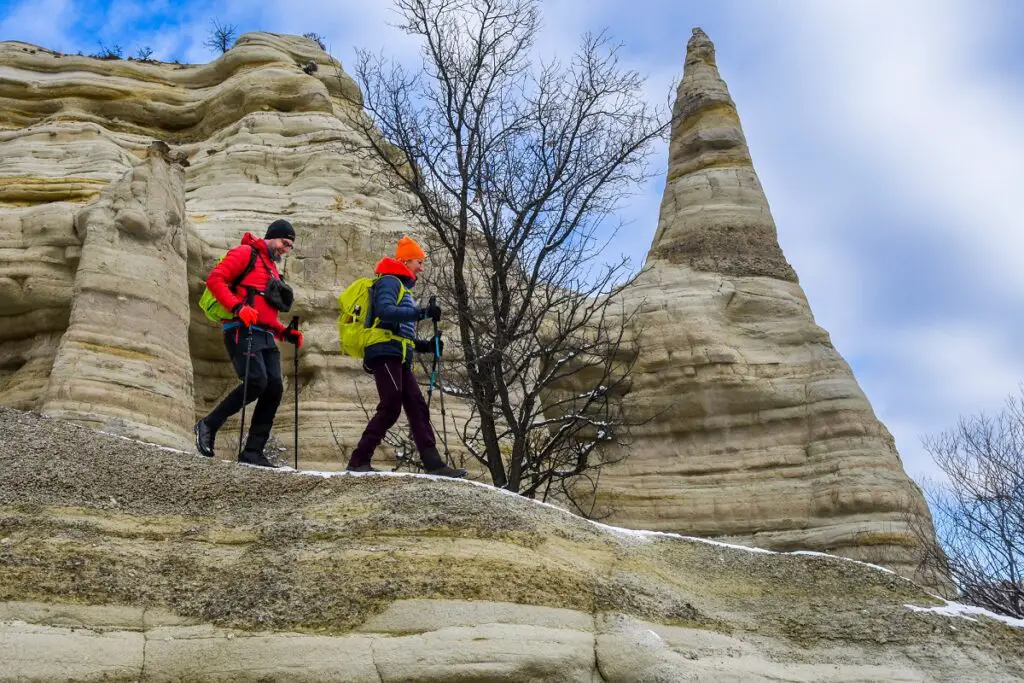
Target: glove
point(293, 337)
point(427, 346)
point(247, 314)
point(432, 311)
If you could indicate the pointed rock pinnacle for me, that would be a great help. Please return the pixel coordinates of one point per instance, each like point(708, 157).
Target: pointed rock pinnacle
point(714, 215)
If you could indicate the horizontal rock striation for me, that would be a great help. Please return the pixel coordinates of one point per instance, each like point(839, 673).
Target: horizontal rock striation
point(752, 426)
point(250, 137)
point(201, 570)
point(123, 182)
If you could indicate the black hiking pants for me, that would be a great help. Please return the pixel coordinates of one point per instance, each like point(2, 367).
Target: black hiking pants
point(265, 384)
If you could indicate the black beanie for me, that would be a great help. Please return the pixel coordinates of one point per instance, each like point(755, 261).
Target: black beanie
point(280, 229)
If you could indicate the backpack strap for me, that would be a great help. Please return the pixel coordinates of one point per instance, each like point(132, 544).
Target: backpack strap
point(371, 320)
point(245, 271)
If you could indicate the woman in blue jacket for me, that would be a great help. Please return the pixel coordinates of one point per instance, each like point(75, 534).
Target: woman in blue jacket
point(390, 362)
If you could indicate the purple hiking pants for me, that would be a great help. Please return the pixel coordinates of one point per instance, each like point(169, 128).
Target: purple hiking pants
point(397, 389)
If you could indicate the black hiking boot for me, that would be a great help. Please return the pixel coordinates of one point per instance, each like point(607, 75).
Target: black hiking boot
point(256, 458)
point(361, 468)
point(204, 438)
point(433, 464)
point(445, 471)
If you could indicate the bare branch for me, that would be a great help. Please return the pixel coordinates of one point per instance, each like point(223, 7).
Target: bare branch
point(516, 170)
point(979, 510)
point(221, 36)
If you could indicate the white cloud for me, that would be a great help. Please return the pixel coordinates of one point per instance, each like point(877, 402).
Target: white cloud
point(920, 148)
point(933, 374)
point(34, 22)
point(907, 91)
point(888, 146)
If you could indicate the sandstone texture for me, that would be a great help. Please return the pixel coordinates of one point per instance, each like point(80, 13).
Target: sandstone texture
point(123, 182)
point(121, 561)
point(754, 429)
point(105, 243)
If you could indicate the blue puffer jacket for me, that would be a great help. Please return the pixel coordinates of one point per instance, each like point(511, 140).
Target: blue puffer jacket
point(398, 316)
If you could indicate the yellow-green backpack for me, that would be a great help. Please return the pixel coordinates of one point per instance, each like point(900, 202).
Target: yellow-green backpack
point(208, 302)
point(355, 330)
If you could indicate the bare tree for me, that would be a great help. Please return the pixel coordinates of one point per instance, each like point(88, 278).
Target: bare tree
point(143, 54)
point(317, 38)
point(979, 510)
point(516, 171)
point(112, 52)
point(221, 36)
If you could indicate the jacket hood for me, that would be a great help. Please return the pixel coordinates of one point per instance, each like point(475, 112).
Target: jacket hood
point(251, 240)
point(392, 266)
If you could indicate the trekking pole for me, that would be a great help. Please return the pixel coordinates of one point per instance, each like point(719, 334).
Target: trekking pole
point(294, 325)
point(250, 293)
point(440, 388)
point(437, 356)
point(434, 376)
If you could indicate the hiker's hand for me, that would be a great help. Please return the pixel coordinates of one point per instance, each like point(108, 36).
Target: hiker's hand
point(427, 346)
point(293, 337)
point(432, 311)
point(247, 314)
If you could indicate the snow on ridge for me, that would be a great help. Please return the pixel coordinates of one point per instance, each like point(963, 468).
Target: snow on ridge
point(815, 553)
point(950, 609)
point(145, 443)
point(956, 609)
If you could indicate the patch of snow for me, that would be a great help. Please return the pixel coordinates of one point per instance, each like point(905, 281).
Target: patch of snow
point(951, 609)
point(383, 473)
point(146, 443)
point(814, 553)
point(956, 609)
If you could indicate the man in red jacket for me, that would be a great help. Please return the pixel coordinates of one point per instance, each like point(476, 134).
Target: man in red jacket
point(253, 315)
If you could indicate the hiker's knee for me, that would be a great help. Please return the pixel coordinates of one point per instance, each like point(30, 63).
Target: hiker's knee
point(273, 388)
point(390, 412)
point(257, 383)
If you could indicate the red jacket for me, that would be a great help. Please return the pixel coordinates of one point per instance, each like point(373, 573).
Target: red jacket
point(224, 273)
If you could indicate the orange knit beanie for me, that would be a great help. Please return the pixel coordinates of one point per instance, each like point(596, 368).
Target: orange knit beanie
point(408, 250)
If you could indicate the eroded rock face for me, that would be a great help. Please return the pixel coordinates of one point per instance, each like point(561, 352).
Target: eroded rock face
point(756, 429)
point(202, 570)
point(124, 358)
point(85, 268)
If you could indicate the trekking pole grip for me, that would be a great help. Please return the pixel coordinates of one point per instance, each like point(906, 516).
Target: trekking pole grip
point(437, 333)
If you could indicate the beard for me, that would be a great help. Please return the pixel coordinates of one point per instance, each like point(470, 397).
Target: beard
point(275, 255)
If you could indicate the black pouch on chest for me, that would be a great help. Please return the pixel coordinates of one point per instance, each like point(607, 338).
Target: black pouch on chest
point(279, 295)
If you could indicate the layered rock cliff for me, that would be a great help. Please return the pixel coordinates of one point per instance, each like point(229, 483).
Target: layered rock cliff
point(200, 570)
point(758, 430)
point(753, 427)
point(105, 244)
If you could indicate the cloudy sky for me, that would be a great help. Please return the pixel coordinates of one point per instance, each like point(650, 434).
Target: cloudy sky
point(889, 137)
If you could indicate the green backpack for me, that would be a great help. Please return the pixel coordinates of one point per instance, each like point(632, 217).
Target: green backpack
point(208, 302)
point(355, 331)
